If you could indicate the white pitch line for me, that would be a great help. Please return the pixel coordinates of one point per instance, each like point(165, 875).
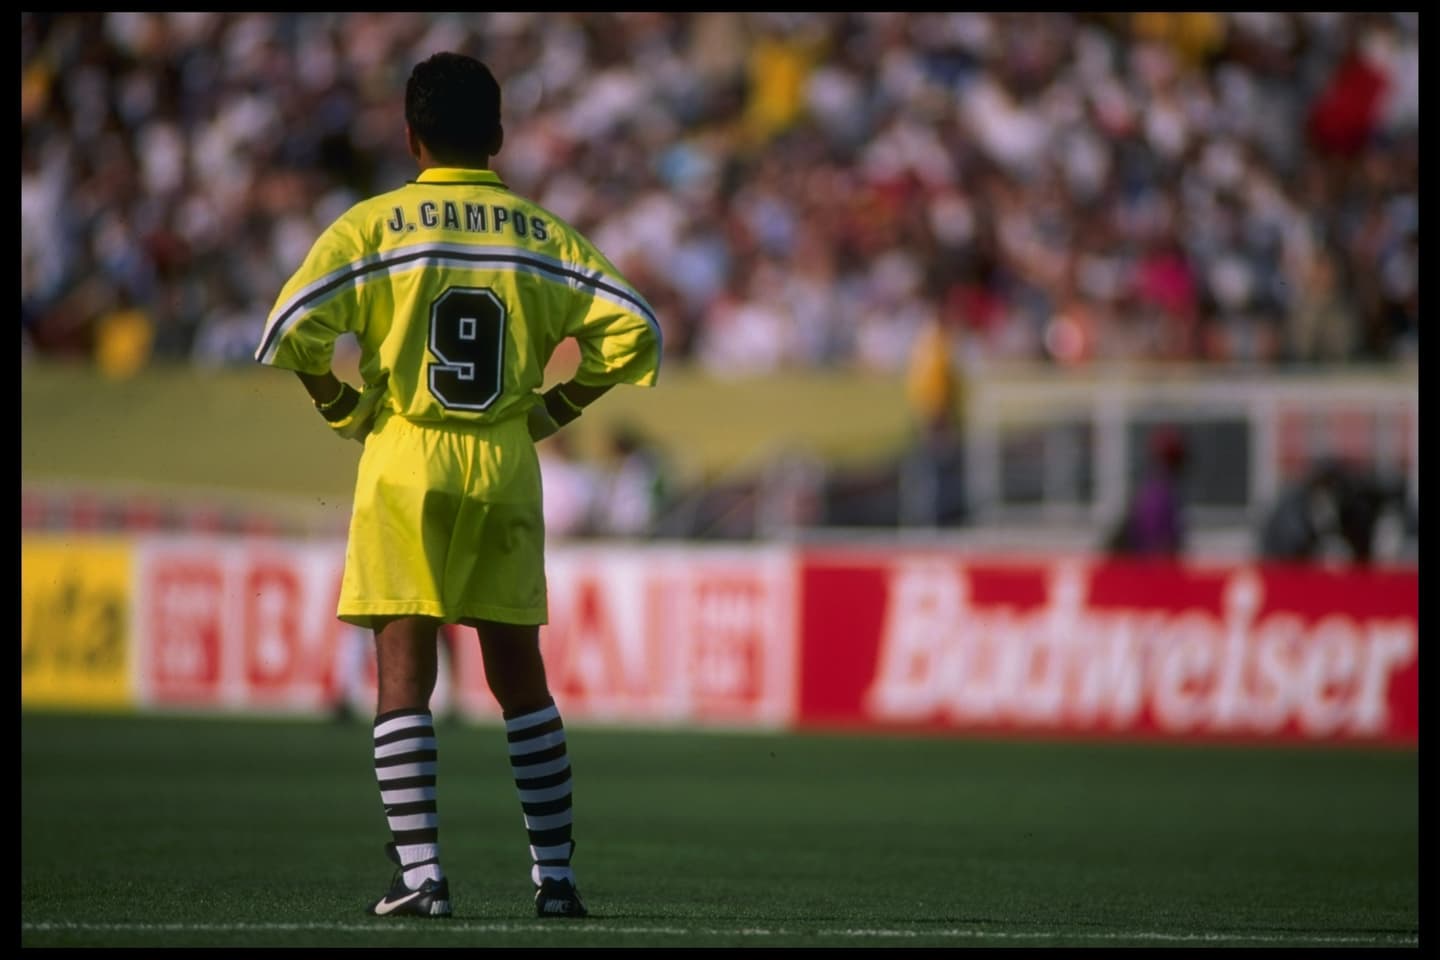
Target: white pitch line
point(450, 926)
point(1138, 935)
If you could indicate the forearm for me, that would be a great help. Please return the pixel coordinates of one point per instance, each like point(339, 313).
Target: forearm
point(333, 397)
point(575, 397)
point(559, 405)
point(322, 387)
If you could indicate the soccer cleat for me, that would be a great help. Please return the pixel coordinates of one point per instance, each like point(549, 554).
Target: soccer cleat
point(558, 898)
point(431, 899)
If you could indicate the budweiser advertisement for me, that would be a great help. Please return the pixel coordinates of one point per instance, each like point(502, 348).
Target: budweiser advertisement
point(938, 642)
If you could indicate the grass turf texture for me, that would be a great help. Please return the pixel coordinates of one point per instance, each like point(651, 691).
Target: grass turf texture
point(217, 831)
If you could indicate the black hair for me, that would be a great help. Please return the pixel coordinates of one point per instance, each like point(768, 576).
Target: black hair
point(452, 103)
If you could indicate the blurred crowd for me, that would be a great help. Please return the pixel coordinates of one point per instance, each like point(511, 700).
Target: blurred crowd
point(789, 190)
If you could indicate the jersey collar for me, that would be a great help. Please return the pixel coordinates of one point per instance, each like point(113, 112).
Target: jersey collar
point(459, 175)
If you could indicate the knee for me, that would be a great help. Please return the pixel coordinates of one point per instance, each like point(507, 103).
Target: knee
point(520, 694)
point(514, 668)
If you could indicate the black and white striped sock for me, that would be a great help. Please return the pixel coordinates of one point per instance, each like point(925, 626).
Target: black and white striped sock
point(405, 762)
point(541, 768)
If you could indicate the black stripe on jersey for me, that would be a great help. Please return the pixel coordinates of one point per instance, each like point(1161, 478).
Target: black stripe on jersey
point(279, 325)
point(457, 183)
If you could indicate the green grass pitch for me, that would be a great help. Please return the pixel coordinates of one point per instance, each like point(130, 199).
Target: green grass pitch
point(164, 831)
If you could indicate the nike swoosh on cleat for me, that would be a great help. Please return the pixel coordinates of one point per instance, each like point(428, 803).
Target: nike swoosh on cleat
point(387, 906)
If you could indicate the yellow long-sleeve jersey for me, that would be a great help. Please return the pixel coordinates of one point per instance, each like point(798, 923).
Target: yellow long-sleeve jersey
point(458, 292)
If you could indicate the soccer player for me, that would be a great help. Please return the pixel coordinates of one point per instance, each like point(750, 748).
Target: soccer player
point(458, 292)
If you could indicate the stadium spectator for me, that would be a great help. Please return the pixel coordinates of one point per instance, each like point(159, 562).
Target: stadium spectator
point(634, 486)
point(1153, 525)
point(931, 471)
point(1156, 181)
point(572, 488)
point(1338, 513)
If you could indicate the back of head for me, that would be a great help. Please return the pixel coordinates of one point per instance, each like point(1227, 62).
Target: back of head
point(452, 103)
point(1167, 447)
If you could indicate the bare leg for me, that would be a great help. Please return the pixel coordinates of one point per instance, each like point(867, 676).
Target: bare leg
point(513, 666)
point(406, 662)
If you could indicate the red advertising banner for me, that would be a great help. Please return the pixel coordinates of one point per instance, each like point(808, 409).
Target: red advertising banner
point(673, 634)
point(245, 624)
point(637, 634)
point(772, 637)
point(659, 635)
point(931, 641)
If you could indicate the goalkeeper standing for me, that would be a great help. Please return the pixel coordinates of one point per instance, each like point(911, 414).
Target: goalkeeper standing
point(458, 292)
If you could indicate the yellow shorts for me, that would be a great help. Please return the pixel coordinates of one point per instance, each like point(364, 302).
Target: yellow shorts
point(447, 523)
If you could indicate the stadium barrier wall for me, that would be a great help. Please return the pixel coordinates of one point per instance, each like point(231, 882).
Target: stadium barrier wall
point(759, 637)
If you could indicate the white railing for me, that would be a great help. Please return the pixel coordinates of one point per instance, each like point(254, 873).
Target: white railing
point(1089, 433)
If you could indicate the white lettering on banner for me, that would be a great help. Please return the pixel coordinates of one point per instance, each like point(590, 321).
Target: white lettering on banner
point(727, 617)
point(926, 601)
point(599, 655)
point(1279, 641)
point(1329, 672)
point(1067, 663)
point(1390, 647)
point(275, 596)
point(1108, 664)
point(184, 627)
point(237, 623)
point(1185, 662)
point(663, 635)
point(1242, 604)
